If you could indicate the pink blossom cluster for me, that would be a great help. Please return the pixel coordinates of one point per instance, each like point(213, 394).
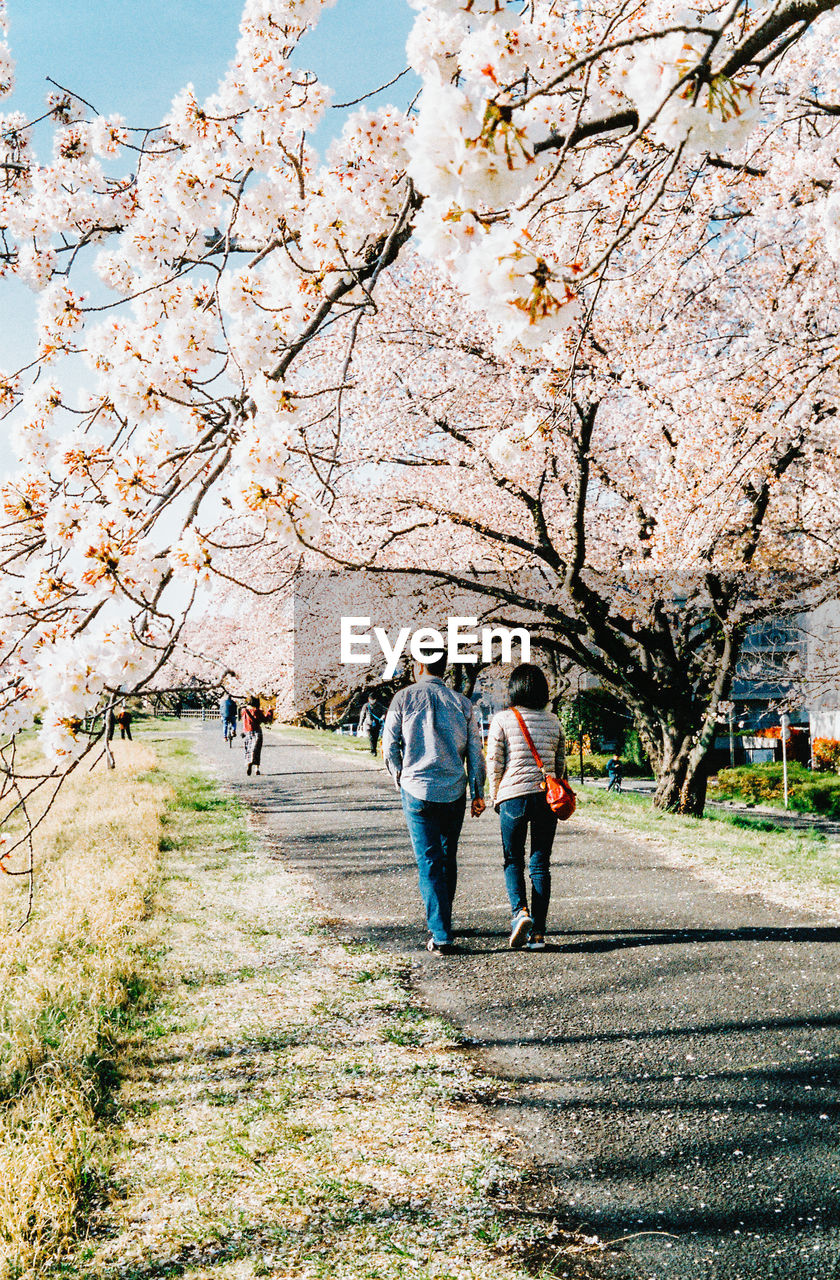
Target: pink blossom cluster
point(391, 350)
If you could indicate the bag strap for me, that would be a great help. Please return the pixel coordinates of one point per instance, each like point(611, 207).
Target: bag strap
point(529, 740)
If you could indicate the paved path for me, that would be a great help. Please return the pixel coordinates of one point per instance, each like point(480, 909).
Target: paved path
point(674, 1057)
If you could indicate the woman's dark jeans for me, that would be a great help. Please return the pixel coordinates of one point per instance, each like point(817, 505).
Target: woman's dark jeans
point(516, 816)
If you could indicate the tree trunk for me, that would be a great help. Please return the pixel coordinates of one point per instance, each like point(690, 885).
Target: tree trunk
point(465, 677)
point(679, 764)
point(682, 789)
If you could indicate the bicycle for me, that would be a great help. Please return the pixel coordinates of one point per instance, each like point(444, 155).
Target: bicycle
point(230, 732)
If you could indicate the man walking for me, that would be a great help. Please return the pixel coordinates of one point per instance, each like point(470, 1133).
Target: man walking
point(430, 734)
point(370, 721)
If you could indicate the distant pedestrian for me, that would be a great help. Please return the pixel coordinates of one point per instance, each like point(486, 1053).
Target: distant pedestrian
point(123, 718)
point(253, 719)
point(615, 773)
point(517, 791)
point(431, 734)
point(371, 721)
point(229, 712)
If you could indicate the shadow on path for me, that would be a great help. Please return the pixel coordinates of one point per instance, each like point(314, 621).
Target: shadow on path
point(673, 1057)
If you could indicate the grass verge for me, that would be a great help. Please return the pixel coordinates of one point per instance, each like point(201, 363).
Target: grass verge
point(287, 1110)
point(743, 852)
point(69, 981)
point(808, 792)
point(325, 738)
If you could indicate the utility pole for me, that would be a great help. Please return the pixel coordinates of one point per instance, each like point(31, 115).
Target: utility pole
point(785, 723)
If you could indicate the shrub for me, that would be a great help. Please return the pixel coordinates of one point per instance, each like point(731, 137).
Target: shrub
point(822, 796)
point(595, 763)
point(827, 753)
point(764, 784)
point(756, 783)
point(636, 757)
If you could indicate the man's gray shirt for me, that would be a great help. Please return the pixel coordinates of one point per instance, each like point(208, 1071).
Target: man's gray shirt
point(430, 733)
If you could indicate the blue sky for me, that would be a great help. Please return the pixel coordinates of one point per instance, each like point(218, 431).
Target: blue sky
point(133, 56)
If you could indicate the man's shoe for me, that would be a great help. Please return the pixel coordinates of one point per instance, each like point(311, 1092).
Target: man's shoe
point(521, 928)
point(536, 942)
point(248, 770)
point(440, 948)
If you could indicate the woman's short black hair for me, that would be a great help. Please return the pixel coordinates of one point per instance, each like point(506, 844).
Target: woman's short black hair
point(528, 687)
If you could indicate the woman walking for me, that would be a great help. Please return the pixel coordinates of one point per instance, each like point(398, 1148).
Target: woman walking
point(253, 719)
point(517, 793)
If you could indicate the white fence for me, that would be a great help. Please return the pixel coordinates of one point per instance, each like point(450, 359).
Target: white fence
point(350, 728)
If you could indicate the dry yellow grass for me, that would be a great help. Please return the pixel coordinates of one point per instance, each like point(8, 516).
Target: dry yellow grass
point(65, 980)
point(287, 1111)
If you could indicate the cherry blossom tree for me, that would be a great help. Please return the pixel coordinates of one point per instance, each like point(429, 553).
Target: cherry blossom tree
point(273, 625)
point(639, 515)
point(570, 173)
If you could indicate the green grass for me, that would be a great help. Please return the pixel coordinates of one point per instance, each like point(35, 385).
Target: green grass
point(73, 983)
point(751, 851)
point(763, 784)
point(292, 1101)
point(341, 742)
point(197, 815)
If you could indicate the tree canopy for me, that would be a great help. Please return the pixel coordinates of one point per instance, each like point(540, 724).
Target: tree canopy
point(574, 310)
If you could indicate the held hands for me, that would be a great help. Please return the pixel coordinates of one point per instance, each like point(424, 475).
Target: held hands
point(477, 808)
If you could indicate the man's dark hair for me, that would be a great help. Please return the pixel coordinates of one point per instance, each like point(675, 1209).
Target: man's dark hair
point(528, 687)
point(436, 666)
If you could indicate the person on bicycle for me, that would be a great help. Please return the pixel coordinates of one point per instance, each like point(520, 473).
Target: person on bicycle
point(229, 712)
point(615, 773)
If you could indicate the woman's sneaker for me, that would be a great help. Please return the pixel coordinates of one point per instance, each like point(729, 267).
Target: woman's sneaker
point(536, 942)
point(520, 929)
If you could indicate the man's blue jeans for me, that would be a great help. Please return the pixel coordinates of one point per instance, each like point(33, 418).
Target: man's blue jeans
point(515, 816)
point(434, 828)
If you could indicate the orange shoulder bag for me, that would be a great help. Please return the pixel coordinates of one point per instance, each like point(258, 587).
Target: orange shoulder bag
point(558, 794)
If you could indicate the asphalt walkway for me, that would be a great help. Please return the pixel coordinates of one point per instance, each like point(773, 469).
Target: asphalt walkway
point(673, 1056)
